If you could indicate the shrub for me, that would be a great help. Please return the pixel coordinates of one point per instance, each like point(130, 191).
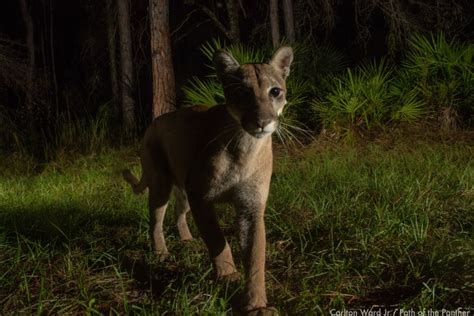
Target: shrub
point(442, 73)
point(363, 98)
point(436, 76)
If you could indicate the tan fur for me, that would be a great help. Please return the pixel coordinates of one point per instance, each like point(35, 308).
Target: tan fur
point(223, 154)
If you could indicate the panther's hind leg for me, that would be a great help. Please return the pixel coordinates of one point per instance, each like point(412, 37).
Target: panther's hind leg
point(159, 190)
point(159, 194)
point(182, 208)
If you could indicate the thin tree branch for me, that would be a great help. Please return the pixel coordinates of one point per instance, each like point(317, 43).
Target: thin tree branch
point(196, 26)
point(186, 19)
point(244, 13)
point(216, 21)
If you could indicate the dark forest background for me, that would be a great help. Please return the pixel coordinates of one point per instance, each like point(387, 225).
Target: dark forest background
point(73, 44)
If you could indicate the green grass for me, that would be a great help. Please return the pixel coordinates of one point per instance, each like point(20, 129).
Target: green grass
point(346, 227)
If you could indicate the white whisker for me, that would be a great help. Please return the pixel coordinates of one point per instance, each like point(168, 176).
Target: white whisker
point(293, 133)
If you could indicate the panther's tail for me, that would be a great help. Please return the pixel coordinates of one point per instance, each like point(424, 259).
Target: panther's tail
point(137, 186)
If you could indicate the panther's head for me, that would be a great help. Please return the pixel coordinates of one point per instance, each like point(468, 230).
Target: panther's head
point(255, 93)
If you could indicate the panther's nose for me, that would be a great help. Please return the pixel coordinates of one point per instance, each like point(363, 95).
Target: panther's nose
point(263, 122)
point(266, 125)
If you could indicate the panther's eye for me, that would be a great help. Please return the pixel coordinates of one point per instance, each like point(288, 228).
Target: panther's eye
point(275, 92)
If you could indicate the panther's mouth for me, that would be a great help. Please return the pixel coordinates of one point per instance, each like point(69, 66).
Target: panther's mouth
point(259, 128)
point(260, 134)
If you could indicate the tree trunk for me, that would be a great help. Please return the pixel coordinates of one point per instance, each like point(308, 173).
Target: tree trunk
point(274, 23)
point(32, 119)
point(111, 35)
point(289, 20)
point(53, 61)
point(128, 113)
point(233, 15)
point(162, 64)
point(30, 44)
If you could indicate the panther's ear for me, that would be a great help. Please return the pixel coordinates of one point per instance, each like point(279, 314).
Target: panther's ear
point(225, 63)
point(282, 59)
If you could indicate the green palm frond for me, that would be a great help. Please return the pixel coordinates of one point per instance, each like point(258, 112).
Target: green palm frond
point(319, 61)
point(210, 47)
point(440, 69)
point(207, 92)
point(410, 108)
point(243, 54)
point(298, 91)
point(378, 73)
point(359, 97)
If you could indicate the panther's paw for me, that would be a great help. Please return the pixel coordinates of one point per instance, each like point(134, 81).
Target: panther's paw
point(231, 277)
point(264, 311)
point(162, 255)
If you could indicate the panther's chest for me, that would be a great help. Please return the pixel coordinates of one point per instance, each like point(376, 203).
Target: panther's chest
point(228, 173)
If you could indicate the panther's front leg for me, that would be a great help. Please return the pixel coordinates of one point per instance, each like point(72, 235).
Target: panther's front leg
point(251, 209)
point(252, 242)
point(219, 250)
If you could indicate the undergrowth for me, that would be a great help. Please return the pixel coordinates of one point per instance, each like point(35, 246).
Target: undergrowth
point(387, 224)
